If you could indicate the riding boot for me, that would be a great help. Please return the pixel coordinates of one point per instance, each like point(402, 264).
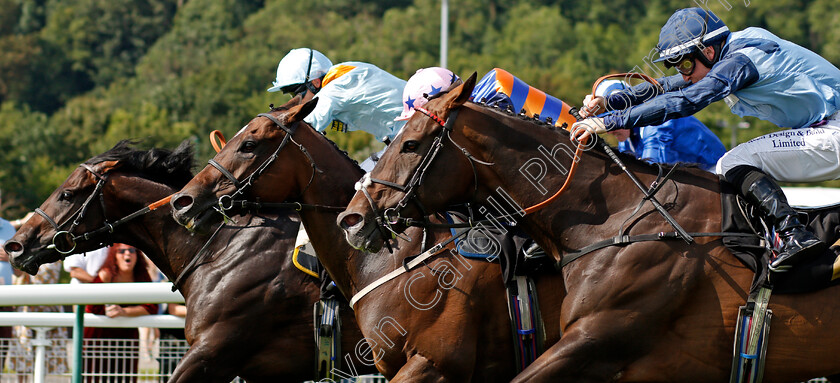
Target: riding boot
point(799, 244)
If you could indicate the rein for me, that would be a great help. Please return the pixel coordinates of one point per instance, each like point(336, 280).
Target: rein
point(391, 216)
point(109, 227)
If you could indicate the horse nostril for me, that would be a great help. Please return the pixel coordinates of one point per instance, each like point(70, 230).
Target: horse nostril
point(351, 220)
point(182, 202)
point(13, 247)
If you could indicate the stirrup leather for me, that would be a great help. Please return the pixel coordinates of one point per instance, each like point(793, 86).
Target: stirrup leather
point(327, 339)
point(751, 333)
point(526, 321)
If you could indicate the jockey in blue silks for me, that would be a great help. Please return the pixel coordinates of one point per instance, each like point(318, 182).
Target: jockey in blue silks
point(757, 74)
point(681, 140)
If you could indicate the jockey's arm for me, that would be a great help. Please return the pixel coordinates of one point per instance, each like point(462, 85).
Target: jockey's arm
point(643, 92)
point(732, 73)
point(322, 116)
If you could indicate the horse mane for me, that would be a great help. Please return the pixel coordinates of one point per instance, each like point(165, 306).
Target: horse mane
point(171, 167)
point(338, 149)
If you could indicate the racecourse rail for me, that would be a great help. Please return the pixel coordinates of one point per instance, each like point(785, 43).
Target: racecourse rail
point(83, 294)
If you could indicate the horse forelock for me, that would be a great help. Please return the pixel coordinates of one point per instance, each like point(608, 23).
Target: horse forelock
point(171, 167)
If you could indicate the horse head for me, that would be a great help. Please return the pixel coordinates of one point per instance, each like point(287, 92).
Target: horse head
point(242, 167)
point(423, 171)
point(76, 216)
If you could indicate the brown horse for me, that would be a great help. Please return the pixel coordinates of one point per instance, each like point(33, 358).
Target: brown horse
point(249, 308)
point(657, 311)
point(445, 321)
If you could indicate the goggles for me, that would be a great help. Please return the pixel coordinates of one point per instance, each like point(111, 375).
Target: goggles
point(685, 65)
point(295, 89)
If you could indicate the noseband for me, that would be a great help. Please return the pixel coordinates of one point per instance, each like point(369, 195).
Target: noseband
point(226, 201)
point(391, 215)
point(77, 216)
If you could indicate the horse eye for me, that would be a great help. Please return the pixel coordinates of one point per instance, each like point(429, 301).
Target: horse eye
point(410, 146)
point(248, 146)
point(65, 195)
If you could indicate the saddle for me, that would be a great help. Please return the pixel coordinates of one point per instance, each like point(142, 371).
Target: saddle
point(754, 252)
point(517, 253)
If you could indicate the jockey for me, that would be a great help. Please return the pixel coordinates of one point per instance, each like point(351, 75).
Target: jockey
point(684, 140)
point(757, 74)
point(351, 95)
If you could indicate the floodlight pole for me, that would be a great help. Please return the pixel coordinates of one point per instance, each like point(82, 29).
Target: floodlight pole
point(444, 31)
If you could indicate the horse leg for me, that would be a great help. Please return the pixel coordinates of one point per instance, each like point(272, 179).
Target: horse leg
point(583, 354)
point(198, 366)
point(418, 369)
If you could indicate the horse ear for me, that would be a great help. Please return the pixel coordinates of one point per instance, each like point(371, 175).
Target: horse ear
point(106, 167)
point(302, 111)
point(462, 93)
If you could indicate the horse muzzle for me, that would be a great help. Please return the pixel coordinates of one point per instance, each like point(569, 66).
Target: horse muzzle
point(359, 232)
point(188, 212)
point(21, 259)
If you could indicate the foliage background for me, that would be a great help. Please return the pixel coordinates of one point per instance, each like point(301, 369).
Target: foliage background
point(76, 76)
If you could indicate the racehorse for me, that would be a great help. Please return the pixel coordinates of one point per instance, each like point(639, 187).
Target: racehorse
point(249, 310)
point(651, 311)
point(444, 321)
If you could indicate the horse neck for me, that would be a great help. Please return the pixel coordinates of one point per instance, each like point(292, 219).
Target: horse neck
point(161, 238)
point(599, 196)
point(332, 187)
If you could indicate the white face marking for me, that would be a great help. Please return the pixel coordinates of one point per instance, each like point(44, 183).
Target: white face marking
point(240, 131)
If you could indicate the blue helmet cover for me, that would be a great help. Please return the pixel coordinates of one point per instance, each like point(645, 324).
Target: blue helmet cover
point(687, 31)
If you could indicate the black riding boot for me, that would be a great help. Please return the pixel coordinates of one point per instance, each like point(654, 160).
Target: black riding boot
point(799, 244)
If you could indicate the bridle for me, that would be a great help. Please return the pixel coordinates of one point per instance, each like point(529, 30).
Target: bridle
point(107, 227)
point(391, 215)
point(226, 202)
point(77, 216)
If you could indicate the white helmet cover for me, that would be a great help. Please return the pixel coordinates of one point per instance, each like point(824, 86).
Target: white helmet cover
point(292, 68)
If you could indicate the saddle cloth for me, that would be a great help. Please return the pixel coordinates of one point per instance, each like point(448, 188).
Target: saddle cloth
point(304, 257)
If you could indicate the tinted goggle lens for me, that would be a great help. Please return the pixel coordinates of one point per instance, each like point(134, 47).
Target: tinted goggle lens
point(684, 65)
point(294, 90)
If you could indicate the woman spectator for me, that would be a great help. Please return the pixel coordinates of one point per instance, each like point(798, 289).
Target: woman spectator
point(123, 264)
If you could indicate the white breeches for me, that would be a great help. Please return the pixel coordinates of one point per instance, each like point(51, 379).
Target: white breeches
point(793, 155)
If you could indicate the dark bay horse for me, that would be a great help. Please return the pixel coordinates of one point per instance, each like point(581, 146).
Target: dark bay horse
point(444, 321)
point(657, 311)
point(249, 308)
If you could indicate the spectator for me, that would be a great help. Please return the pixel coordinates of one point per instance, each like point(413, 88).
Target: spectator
point(84, 267)
point(123, 264)
point(148, 335)
point(171, 343)
point(21, 351)
point(6, 232)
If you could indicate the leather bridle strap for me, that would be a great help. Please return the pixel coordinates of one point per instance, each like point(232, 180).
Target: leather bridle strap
point(47, 218)
point(77, 216)
point(225, 173)
point(240, 185)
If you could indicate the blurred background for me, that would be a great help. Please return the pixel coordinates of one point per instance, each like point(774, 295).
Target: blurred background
point(76, 76)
